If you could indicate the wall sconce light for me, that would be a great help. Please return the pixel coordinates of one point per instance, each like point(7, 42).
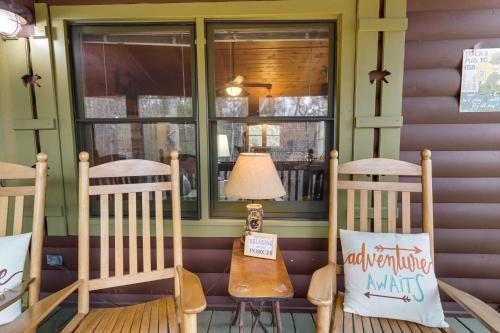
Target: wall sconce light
point(12, 17)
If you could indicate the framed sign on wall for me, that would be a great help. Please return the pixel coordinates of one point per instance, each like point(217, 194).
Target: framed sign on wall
point(480, 89)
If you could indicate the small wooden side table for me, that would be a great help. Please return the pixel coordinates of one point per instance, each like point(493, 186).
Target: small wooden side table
point(255, 280)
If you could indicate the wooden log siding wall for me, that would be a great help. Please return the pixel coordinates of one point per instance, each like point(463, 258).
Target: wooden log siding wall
point(465, 146)
point(466, 159)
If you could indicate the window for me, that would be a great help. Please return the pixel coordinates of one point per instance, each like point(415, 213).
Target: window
point(134, 89)
point(271, 90)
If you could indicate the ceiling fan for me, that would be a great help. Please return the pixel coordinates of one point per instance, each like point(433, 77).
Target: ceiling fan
point(235, 85)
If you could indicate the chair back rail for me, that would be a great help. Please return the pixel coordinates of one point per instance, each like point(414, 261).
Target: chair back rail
point(118, 193)
point(10, 171)
point(379, 197)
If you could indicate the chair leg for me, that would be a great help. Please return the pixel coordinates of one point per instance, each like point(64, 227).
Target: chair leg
point(323, 319)
point(189, 323)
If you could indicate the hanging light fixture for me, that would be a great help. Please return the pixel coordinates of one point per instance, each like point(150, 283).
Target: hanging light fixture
point(12, 17)
point(233, 88)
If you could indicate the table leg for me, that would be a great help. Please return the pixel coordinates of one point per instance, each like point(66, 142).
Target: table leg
point(276, 308)
point(236, 315)
point(242, 316)
point(256, 313)
point(273, 314)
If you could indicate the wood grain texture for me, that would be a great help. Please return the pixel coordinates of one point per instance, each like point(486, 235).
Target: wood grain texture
point(192, 297)
point(380, 166)
point(129, 168)
point(16, 171)
point(104, 258)
point(256, 278)
point(321, 290)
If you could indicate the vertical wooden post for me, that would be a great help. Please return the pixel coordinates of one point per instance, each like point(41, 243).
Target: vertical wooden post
point(323, 319)
point(176, 218)
point(427, 209)
point(37, 227)
point(333, 207)
point(189, 323)
point(83, 232)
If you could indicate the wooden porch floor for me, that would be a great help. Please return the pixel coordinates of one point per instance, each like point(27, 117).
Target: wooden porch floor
point(219, 321)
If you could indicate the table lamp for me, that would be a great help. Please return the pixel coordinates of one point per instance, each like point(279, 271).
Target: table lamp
point(254, 177)
point(222, 146)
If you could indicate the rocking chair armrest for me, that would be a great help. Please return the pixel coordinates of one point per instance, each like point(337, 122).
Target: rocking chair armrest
point(35, 314)
point(8, 297)
point(322, 286)
point(477, 308)
point(192, 298)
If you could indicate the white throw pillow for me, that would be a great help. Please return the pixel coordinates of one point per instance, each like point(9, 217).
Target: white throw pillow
point(13, 251)
point(391, 276)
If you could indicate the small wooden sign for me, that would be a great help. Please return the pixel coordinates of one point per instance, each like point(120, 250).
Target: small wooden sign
point(261, 245)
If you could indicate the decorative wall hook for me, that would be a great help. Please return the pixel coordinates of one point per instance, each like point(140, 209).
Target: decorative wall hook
point(31, 80)
point(377, 75)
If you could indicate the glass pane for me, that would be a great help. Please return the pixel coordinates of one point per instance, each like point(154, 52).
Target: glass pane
point(298, 152)
point(133, 72)
point(112, 142)
point(279, 70)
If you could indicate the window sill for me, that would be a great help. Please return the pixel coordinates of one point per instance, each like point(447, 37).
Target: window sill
point(231, 228)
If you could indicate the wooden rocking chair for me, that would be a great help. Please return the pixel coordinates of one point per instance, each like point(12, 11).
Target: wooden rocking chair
point(168, 314)
point(323, 288)
point(9, 171)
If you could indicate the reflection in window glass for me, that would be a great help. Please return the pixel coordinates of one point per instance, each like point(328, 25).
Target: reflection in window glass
point(283, 71)
point(165, 106)
point(105, 107)
point(232, 106)
point(296, 106)
point(134, 89)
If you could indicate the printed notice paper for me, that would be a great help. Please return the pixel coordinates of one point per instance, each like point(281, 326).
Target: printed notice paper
point(480, 90)
point(261, 245)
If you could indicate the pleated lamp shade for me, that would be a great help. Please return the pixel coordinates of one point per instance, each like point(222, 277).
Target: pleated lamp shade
point(254, 177)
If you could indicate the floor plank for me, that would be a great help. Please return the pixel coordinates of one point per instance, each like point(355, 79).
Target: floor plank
point(287, 322)
point(457, 326)
point(303, 322)
point(267, 319)
point(473, 325)
point(220, 321)
point(203, 321)
point(247, 321)
point(58, 319)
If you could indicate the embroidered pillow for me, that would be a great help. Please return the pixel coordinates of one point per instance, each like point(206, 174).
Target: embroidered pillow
point(391, 276)
point(13, 251)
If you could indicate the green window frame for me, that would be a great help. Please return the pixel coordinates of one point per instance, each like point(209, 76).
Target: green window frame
point(85, 127)
point(289, 210)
